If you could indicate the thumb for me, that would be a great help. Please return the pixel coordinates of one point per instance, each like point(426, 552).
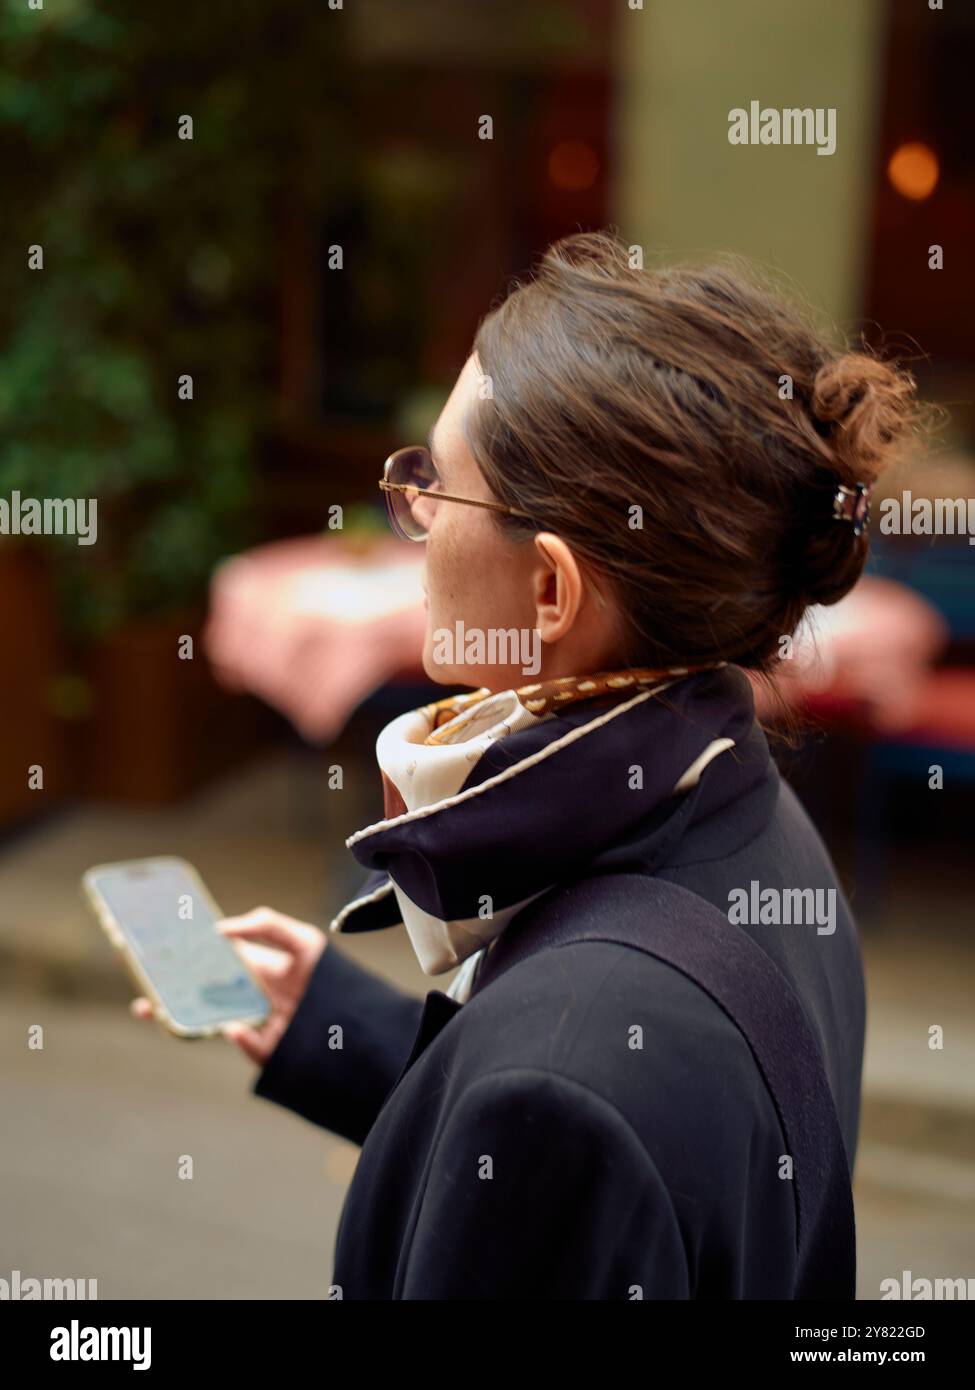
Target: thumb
point(267, 928)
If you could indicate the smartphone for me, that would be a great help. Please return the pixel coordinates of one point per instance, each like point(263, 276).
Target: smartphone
point(160, 918)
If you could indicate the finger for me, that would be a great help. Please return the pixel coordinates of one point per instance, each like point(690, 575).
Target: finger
point(266, 960)
point(248, 1040)
point(141, 1008)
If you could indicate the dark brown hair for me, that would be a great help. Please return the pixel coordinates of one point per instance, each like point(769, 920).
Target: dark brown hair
point(614, 388)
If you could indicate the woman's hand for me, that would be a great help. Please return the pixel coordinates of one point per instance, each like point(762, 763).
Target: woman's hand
point(282, 953)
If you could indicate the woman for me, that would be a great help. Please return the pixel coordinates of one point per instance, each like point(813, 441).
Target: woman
point(653, 474)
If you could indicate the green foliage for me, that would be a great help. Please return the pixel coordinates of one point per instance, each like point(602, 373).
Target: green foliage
point(161, 258)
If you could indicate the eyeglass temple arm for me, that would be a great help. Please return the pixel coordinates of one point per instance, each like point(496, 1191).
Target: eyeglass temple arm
point(449, 497)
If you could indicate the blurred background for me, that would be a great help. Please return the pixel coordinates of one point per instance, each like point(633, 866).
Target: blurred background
point(316, 258)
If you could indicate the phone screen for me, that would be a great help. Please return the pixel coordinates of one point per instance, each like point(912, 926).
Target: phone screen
point(169, 923)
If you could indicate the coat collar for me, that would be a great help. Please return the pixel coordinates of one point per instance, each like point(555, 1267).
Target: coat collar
point(543, 803)
point(438, 1010)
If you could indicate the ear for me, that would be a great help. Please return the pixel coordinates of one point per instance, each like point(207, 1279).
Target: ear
point(558, 587)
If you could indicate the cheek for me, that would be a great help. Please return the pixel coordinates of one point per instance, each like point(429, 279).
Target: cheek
point(459, 554)
point(472, 574)
point(441, 567)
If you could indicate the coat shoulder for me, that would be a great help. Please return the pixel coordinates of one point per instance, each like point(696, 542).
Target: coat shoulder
point(630, 1028)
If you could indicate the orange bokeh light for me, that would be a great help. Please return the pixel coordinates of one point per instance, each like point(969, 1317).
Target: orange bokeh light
point(913, 170)
point(572, 166)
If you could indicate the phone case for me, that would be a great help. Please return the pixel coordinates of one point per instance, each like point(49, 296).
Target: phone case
point(131, 961)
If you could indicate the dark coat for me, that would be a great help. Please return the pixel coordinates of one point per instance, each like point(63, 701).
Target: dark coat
point(518, 1146)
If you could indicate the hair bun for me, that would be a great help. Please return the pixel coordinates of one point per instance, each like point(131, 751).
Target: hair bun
point(861, 407)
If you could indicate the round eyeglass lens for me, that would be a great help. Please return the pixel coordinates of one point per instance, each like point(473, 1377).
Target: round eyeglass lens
point(411, 512)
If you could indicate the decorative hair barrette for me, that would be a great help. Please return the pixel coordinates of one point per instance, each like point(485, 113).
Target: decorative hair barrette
point(853, 504)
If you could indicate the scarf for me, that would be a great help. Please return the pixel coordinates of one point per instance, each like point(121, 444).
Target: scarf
point(492, 798)
point(413, 778)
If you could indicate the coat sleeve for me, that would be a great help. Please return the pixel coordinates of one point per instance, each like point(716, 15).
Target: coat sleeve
point(344, 1048)
point(539, 1189)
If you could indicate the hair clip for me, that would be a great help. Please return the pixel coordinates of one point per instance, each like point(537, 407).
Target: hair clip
point(853, 504)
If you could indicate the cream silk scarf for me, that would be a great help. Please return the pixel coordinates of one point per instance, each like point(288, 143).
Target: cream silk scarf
point(427, 755)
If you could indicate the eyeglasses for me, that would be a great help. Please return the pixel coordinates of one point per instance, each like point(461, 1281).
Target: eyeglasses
point(412, 486)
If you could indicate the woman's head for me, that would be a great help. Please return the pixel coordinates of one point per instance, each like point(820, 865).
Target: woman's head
point(677, 438)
